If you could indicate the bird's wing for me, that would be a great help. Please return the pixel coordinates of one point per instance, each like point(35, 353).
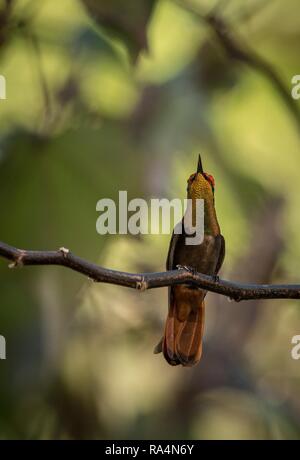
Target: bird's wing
point(171, 252)
point(221, 253)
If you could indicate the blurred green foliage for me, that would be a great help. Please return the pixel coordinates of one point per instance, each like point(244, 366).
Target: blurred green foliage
point(108, 96)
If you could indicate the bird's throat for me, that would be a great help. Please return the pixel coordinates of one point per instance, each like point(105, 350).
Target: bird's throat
point(211, 225)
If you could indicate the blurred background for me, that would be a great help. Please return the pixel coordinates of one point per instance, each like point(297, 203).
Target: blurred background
point(108, 96)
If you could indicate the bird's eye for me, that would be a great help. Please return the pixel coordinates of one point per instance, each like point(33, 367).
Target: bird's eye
point(192, 177)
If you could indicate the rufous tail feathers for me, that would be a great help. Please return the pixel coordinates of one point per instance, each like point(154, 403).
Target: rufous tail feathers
point(182, 340)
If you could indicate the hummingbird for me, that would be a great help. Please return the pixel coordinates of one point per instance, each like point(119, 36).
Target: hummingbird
point(182, 339)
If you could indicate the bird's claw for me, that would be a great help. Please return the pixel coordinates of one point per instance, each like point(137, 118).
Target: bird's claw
point(181, 267)
point(187, 268)
point(216, 278)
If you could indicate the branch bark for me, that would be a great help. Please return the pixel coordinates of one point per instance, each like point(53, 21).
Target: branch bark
point(143, 281)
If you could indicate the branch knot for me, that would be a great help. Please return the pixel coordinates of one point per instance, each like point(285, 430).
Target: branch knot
point(18, 262)
point(64, 251)
point(142, 285)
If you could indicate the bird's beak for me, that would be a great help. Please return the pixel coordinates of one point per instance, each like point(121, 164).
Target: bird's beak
point(200, 168)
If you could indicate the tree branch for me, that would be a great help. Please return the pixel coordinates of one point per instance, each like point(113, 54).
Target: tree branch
point(143, 281)
point(239, 51)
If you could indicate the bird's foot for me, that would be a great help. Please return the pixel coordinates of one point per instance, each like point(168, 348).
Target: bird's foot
point(187, 268)
point(216, 278)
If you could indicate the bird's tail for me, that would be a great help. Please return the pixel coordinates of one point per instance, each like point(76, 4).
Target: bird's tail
point(182, 340)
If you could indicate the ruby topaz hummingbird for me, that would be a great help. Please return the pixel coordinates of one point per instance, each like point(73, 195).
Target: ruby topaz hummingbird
point(182, 339)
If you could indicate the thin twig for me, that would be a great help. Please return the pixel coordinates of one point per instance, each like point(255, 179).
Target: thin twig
point(236, 49)
point(143, 281)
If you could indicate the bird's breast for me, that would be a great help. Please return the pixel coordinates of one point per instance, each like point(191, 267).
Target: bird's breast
point(203, 257)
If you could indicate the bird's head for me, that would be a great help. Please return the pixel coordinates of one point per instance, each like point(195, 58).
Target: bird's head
point(200, 184)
